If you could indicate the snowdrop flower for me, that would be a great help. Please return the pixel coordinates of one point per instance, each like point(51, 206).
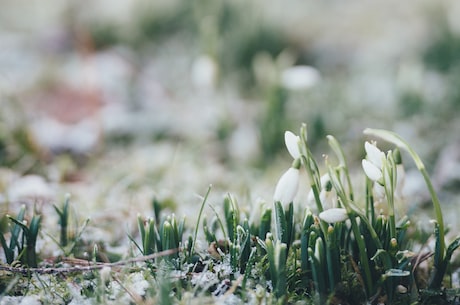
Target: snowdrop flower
point(334, 215)
point(204, 72)
point(373, 172)
point(292, 144)
point(373, 163)
point(379, 192)
point(374, 155)
point(327, 194)
point(287, 186)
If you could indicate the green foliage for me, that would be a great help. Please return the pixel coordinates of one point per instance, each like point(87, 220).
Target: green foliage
point(63, 221)
point(15, 231)
point(443, 53)
point(70, 239)
point(277, 257)
point(284, 223)
point(23, 239)
point(157, 238)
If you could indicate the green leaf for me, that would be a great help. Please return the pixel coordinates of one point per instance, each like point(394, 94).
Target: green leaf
point(280, 223)
point(265, 223)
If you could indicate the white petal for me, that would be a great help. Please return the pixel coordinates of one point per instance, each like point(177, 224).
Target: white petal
point(374, 154)
point(292, 143)
point(371, 171)
point(334, 215)
point(287, 186)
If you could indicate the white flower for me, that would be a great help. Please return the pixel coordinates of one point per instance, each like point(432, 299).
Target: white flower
point(371, 170)
point(334, 215)
point(373, 163)
point(374, 154)
point(204, 72)
point(328, 198)
point(292, 143)
point(327, 194)
point(287, 186)
point(300, 77)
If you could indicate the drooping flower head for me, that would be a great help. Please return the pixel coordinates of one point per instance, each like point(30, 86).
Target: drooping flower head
point(374, 155)
point(373, 163)
point(292, 142)
point(288, 184)
point(327, 194)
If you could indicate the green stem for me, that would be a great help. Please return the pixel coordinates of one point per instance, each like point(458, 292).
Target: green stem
point(437, 209)
point(306, 161)
point(199, 218)
point(364, 259)
point(337, 148)
point(370, 209)
point(392, 225)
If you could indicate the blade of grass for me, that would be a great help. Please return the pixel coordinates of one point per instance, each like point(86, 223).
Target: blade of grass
point(198, 220)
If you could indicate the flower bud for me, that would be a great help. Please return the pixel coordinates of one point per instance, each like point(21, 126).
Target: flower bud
point(292, 144)
point(287, 186)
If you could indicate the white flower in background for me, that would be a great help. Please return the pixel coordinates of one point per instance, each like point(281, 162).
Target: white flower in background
point(204, 72)
point(379, 192)
point(333, 215)
point(79, 137)
point(29, 187)
point(287, 186)
point(380, 202)
point(292, 144)
point(327, 194)
point(300, 77)
point(373, 163)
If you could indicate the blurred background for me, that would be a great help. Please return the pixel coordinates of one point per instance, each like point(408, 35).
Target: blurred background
point(117, 102)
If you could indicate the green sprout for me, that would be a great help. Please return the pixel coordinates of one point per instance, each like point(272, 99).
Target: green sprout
point(23, 239)
point(64, 221)
point(68, 239)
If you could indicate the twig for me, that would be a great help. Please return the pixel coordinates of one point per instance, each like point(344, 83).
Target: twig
point(95, 266)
